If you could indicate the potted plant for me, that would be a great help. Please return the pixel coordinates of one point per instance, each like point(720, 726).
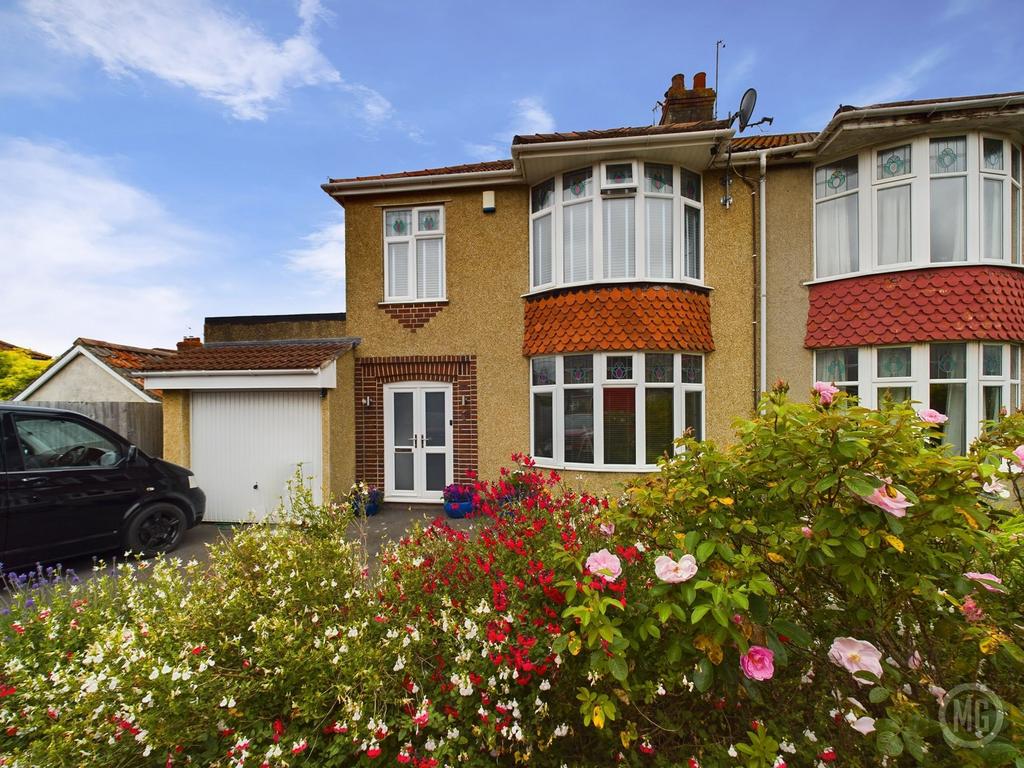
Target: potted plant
point(365, 499)
point(458, 500)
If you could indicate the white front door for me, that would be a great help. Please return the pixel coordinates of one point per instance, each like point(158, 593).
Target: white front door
point(417, 441)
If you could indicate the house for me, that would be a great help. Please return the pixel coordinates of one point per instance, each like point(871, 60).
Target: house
point(603, 291)
point(8, 347)
point(96, 378)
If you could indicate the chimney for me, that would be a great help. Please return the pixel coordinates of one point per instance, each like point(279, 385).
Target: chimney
point(189, 342)
point(695, 105)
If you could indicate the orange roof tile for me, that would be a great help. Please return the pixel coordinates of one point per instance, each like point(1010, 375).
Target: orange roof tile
point(593, 319)
point(255, 356)
point(124, 360)
point(770, 141)
point(490, 165)
point(962, 303)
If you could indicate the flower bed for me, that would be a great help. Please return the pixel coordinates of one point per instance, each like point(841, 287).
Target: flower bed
point(807, 596)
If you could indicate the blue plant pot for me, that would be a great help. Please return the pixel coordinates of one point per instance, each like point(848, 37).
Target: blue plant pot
point(458, 509)
point(371, 509)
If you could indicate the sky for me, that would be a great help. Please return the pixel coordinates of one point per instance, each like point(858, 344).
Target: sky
point(161, 160)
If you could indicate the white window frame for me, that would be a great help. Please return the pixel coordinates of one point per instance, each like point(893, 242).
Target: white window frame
point(869, 382)
point(413, 236)
point(600, 382)
point(548, 211)
point(596, 199)
point(920, 200)
point(606, 184)
point(1016, 248)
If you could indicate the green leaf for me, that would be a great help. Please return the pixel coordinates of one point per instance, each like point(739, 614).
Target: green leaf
point(699, 611)
point(859, 486)
point(889, 744)
point(704, 550)
point(855, 547)
point(704, 675)
point(618, 668)
point(878, 695)
point(796, 635)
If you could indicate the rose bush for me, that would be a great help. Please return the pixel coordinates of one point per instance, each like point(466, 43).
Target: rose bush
point(805, 596)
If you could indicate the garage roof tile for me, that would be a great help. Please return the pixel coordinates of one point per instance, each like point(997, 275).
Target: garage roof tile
point(294, 354)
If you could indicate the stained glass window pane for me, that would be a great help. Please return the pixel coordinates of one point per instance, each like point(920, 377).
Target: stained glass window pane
point(577, 184)
point(837, 365)
point(659, 420)
point(658, 178)
point(947, 155)
point(993, 151)
point(542, 196)
point(836, 178)
point(992, 360)
point(619, 425)
point(618, 173)
point(894, 362)
point(692, 369)
point(691, 185)
point(947, 361)
point(429, 220)
point(578, 369)
point(543, 425)
point(543, 371)
point(693, 413)
point(658, 368)
point(397, 223)
point(578, 427)
point(620, 367)
point(894, 162)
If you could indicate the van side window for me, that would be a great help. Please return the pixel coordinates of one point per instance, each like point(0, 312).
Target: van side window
point(53, 443)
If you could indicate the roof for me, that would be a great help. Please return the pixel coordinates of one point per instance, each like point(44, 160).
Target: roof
point(616, 133)
point(490, 165)
point(7, 347)
point(293, 354)
point(124, 360)
point(914, 102)
point(261, 319)
point(770, 140)
point(968, 303)
point(641, 317)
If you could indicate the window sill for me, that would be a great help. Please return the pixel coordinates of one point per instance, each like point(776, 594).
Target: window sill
point(910, 268)
point(616, 468)
point(409, 302)
point(604, 283)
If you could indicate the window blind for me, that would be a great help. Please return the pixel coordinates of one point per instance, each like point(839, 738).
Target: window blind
point(691, 242)
point(428, 268)
point(398, 270)
point(576, 246)
point(619, 237)
point(659, 237)
point(542, 250)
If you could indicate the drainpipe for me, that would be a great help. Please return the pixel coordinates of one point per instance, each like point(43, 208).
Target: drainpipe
point(762, 271)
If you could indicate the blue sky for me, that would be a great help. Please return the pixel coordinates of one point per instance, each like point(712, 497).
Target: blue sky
point(160, 160)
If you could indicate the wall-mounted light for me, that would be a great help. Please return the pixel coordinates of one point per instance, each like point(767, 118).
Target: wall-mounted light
point(367, 401)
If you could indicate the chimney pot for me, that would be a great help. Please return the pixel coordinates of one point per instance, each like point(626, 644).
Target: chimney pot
point(679, 81)
point(682, 105)
point(189, 342)
point(700, 81)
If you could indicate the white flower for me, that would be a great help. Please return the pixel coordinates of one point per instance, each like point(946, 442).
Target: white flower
point(732, 751)
point(545, 685)
point(809, 735)
point(787, 746)
point(561, 730)
point(399, 664)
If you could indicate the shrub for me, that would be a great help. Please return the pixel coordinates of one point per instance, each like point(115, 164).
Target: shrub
point(801, 596)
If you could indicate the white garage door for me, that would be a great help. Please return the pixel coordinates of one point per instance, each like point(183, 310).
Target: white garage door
point(246, 446)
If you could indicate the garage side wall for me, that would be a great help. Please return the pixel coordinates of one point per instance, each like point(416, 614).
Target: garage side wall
point(339, 429)
point(177, 427)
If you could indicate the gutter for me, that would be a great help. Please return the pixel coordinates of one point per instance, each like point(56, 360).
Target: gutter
point(366, 186)
point(552, 147)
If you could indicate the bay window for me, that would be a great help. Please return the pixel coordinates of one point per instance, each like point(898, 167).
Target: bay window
point(616, 221)
point(930, 200)
point(968, 382)
point(614, 411)
point(414, 254)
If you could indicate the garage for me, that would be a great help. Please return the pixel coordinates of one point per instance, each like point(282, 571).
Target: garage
point(246, 446)
point(243, 416)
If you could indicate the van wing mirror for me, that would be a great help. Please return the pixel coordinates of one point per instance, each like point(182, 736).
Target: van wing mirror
point(133, 452)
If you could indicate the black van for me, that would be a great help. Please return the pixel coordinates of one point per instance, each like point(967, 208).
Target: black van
point(70, 486)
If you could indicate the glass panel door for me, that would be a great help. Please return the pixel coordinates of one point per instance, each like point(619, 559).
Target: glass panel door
point(404, 442)
point(418, 440)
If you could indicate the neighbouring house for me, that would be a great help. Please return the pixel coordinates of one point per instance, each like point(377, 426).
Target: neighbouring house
point(603, 291)
point(97, 378)
point(7, 347)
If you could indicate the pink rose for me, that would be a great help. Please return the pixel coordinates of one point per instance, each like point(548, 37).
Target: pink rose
point(604, 563)
point(888, 499)
point(971, 610)
point(856, 656)
point(1019, 453)
point(758, 663)
point(825, 391)
point(864, 725)
point(989, 581)
point(807, 532)
point(914, 662)
point(931, 416)
point(674, 572)
point(607, 528)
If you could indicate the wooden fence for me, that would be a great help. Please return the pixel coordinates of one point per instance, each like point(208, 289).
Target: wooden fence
point(141, 423)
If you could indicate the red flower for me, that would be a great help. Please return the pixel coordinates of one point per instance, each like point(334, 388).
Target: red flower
point(373, 751)
point(828, 755)
point(7, 690)
point(278, 730)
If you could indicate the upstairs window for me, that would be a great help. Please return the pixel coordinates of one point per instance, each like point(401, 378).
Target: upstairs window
point(837, 218)
point(616, 221)
point(414, 254)
point(947, 164)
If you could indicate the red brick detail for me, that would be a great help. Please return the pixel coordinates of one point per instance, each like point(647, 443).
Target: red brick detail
point(647, 317)
point(372, 373)
point(962, 303)
point(414, 315)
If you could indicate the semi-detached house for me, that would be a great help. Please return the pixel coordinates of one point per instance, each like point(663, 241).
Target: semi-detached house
point(604, 291)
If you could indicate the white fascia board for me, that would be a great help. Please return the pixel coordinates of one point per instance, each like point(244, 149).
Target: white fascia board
point(419, 183)
point(77, 351)
point(313, 378)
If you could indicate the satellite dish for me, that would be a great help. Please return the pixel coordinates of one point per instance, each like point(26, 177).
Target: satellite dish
point(747, 107)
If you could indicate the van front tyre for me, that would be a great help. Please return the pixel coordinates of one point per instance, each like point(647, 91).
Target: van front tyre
point(156, 528)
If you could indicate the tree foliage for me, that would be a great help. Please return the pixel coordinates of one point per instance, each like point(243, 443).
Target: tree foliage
point(18, 369)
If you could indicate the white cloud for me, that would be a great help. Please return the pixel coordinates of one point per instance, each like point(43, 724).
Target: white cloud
point(87, 254)
point(323, 257)
point(901, 83)
point(194, 44)
point(528, 115)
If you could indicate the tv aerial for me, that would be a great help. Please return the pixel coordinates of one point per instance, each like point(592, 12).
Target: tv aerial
point(746, 111)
